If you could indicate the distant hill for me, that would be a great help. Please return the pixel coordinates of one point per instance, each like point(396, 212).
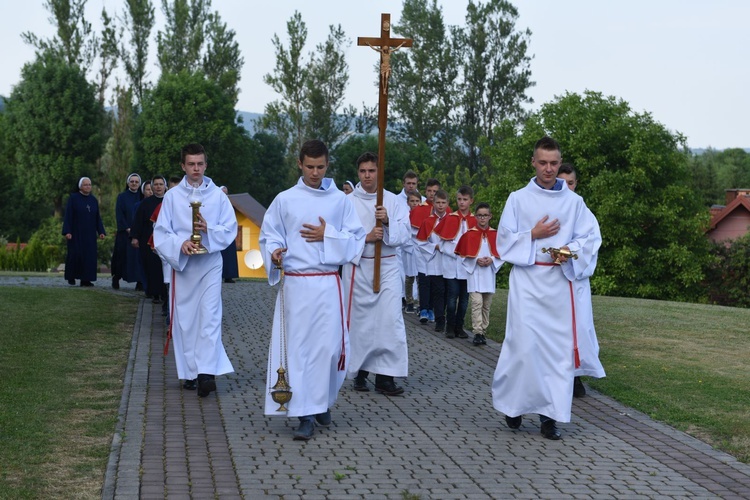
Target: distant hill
point(248, 120)
point(700, 151)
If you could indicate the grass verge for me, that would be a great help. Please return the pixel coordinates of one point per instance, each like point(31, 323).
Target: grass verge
point(63, 353)
point(682, 364)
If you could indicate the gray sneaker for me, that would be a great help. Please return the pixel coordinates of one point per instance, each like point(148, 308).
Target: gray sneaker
point(323, 419)
point(305, 430)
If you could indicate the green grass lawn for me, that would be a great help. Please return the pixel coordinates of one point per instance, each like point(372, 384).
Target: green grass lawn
point(684, 364)
point(63, 353)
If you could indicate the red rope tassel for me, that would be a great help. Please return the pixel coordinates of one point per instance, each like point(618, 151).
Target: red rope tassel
point(342, 358)
point(575, 333)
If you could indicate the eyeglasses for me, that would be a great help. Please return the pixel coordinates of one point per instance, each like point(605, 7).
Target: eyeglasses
point(483, 216)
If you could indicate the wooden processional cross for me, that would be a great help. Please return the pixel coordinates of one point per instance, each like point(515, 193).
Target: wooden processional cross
point(386, 46)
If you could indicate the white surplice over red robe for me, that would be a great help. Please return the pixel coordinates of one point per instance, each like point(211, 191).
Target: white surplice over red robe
point(376, 323)
point(317, 340)
point(535, 370)
point(196, 280)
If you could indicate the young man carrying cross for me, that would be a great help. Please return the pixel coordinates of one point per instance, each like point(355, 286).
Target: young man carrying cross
point(376, 325)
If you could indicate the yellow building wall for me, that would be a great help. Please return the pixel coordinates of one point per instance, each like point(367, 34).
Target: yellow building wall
point(250, 237)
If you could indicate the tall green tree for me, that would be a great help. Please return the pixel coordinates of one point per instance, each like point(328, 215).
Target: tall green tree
point(57, 127)
point(188, 107)
point(284, 117)
point(179, 45)
point(424, 78)
point(196, 38)
point(108, 54)
point(117, 161)
point(222, 60)
point(325, 90)
point(138, 19)
point(311, 91)
point(496, 73)
point(633, 174)
point(74, 42)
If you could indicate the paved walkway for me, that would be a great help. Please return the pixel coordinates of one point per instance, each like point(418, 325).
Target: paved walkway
point(442, 439)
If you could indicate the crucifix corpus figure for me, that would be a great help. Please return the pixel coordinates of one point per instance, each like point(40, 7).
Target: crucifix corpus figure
point(386, 46)
point(385, 64)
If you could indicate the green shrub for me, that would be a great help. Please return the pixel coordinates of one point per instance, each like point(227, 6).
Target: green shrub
point(728, 276)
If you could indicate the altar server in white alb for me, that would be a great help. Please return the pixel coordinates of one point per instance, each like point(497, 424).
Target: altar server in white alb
point(309, 231)
point(195, 290)
point(376, 323)
point(540, 353)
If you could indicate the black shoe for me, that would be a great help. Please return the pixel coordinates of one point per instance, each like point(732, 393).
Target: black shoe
point(389, 388)
point(190, 385)
point(323, 419)
point(305, 430)
point(86, 283)
point(360, 384)
point(71, 282)
point(549, 430)
point(579, 390)
point(440, 325)
point(228, 280)
point(115, 283)
point(206, 384)
point(460, 333)
point(156, 300)
point(513, 422)
point(477, 339)
point(484, 340)
point(138, 286)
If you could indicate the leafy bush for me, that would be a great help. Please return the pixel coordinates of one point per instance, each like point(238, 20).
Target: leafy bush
point(728, 276)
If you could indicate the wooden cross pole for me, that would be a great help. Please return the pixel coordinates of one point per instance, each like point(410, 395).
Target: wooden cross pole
point(386, 46)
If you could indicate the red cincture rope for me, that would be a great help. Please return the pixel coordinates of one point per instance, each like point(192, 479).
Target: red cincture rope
point(576, 356)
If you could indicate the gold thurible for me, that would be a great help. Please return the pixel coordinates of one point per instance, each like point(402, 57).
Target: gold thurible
point(281, 392)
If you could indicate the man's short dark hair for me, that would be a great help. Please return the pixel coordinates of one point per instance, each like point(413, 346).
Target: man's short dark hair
point(174, 179)
point(567, 168)
point(410, 174)
point(466, 191)
point(547, 143)
point(442, 194)
point(482, 205)
point(365, 157)
point(313, 149)
point(193, 149)
point(412, 194)
point(432, 182)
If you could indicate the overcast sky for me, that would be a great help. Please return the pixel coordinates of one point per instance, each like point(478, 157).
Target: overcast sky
point(685, 61)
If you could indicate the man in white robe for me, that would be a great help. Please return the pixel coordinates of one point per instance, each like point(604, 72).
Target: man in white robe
point(195, 290)
point(309, 231)
point(534, 373)
point(376, 324)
